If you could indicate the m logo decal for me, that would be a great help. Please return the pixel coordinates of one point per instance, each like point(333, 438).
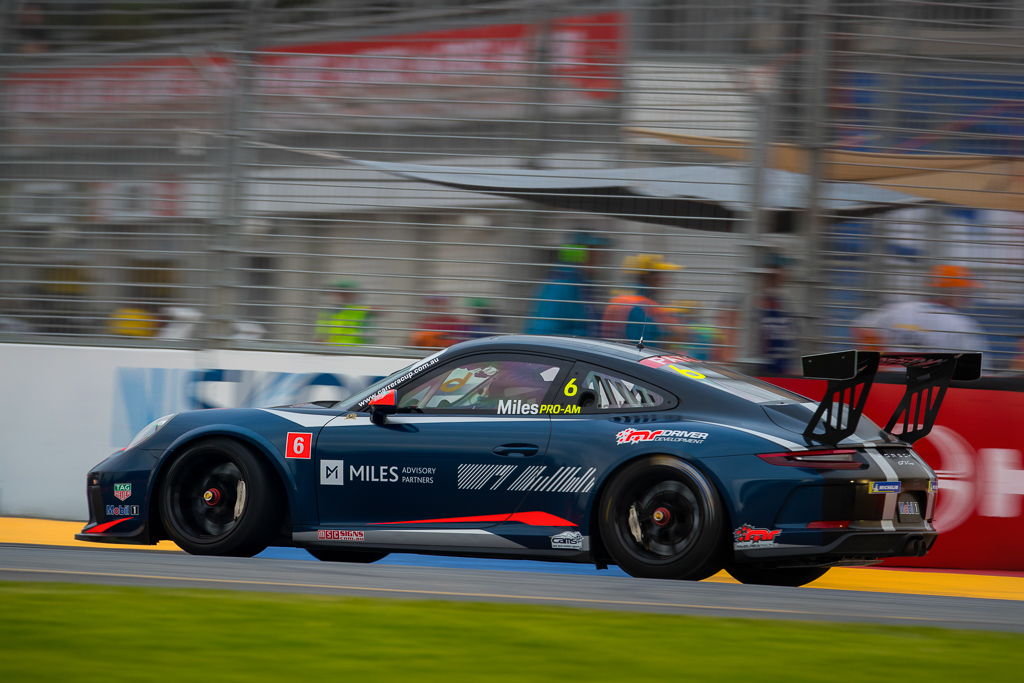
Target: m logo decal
point(332, 472)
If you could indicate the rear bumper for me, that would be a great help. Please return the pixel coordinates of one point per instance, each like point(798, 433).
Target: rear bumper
point(843, 548)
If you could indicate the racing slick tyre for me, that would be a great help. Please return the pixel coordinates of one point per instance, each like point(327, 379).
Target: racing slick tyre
point(776, 576)
point(660, 518)
point(336, 555)
point(217, 498)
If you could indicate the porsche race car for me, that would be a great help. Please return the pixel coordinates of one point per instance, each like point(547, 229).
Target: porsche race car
point(551, 448)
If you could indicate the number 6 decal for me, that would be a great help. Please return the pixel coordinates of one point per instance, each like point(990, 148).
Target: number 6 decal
point(570, 388)
point(298, 445)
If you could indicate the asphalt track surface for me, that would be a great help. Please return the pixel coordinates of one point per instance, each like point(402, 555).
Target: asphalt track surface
point(616, 592)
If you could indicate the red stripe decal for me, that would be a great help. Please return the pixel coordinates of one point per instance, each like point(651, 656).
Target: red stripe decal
point(100, 528)
point(535, 518)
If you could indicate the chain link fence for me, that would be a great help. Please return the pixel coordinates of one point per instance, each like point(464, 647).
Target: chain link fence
point(392, 176)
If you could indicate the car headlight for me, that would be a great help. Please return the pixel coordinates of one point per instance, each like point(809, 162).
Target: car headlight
point(149, 430)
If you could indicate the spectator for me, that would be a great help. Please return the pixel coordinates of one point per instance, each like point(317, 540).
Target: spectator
point(483, 318)
point(1017, 362)
point(932, 324)
point(776, 328)
point(134, 320)
point(348, 321)
point(30, 28)
point(439, 327)
point(566, 301)
point(702, 340)
point(635, 314)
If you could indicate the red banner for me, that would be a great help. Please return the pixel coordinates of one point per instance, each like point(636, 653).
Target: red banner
point(976, 449)
point(583, 52)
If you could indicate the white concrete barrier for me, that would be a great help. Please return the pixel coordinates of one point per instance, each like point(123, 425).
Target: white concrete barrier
point(65, 408)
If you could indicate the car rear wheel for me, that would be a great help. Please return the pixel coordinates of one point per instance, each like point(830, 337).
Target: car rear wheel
point(661, 518)
point(336, 555)
point(776, 576)
point(218, 498)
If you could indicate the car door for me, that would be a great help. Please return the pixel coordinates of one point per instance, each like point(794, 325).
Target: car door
point(584, 436)
point(461, 437)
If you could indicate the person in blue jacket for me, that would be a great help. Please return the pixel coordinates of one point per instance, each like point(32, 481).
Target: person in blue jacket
point(567, 303)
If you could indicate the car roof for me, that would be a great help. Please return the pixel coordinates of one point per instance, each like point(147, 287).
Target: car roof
point(575, 346)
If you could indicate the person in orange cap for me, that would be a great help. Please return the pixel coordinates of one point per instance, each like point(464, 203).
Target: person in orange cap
point(932, 324)
point(635, 314)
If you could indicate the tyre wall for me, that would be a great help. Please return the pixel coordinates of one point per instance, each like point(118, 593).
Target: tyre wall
point(66, 408)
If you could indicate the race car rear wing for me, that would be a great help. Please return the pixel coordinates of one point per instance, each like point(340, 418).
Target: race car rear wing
point(851, 373)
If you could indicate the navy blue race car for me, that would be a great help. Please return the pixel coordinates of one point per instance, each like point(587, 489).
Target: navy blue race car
point(551, 448)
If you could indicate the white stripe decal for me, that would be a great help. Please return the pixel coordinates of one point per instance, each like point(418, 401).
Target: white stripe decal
point(303, 419)
point(889, 505)
point(429, 419)
point(792, 445)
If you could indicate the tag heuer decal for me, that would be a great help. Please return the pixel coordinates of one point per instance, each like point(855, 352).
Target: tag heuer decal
point(122, 491)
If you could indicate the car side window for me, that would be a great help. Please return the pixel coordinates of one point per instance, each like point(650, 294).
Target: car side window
point(487, 384)
point(615, 392)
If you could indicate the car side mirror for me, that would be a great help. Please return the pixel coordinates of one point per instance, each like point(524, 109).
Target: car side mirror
point(382, 406)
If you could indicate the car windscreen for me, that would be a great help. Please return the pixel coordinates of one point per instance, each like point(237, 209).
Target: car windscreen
point(723, 379)
point(359, 399)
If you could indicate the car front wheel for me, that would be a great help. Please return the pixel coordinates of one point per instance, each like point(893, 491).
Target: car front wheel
point(218, 498)
point(661, 518)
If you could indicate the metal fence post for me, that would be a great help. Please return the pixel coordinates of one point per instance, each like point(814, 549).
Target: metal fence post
point(223, 258)
point(816, 83)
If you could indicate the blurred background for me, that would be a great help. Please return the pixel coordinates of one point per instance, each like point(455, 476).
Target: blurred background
point(390, 176)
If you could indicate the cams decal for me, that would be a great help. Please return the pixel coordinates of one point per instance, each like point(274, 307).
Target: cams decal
point(630, 435)
point(567, 540)
point(122, 510)
point(339, 535)
point(517, 407)
point(530, 478)
point(122, 492)
point(750, 537)
point(884, 487)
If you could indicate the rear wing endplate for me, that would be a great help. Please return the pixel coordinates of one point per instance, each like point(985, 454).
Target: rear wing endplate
point(851, 373)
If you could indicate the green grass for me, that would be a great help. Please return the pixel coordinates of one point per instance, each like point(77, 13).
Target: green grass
point(77, 632)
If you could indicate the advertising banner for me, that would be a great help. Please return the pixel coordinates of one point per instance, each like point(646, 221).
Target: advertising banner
point(346, 74)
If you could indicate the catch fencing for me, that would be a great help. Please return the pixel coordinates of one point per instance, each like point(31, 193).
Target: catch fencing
point(219, 174)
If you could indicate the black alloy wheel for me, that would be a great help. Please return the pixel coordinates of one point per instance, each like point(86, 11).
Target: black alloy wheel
point(339, 555)
point(776, 576)
point(218, 498)
point(661, 518)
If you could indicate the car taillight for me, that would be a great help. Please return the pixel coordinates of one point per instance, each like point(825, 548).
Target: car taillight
point(832, 459)
point(826, 524)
